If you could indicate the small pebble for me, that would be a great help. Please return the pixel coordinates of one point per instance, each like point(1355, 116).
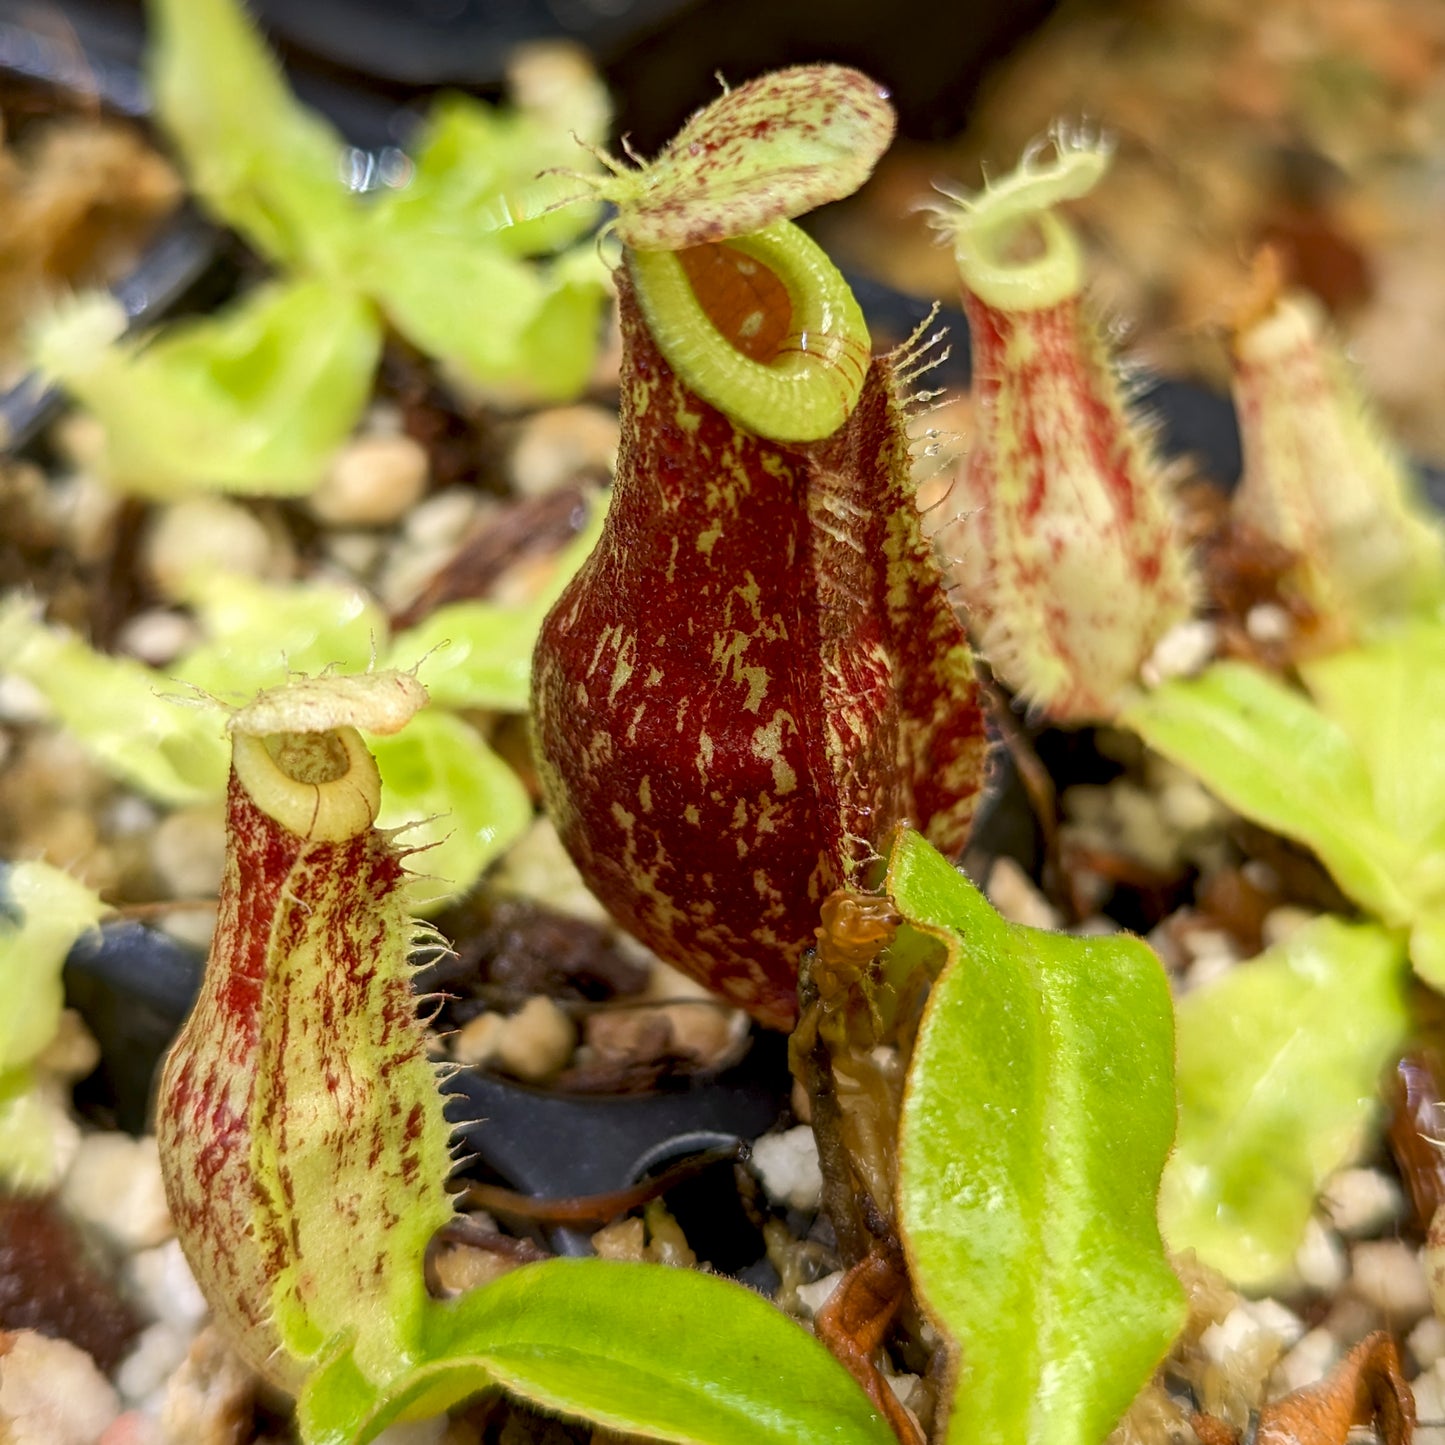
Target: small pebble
point(1427, 1341)
point(904, 1387)
point(1276, 1319)
point(625, 1239)
point(72, 1053)
point(1321, 1258)
point(355, 553)
point(162, 1283)
point(158, 635)
point(114, 1185)
point(194, 927)
point(537, 866)
point(536, 1041)
point(208, 1401)
point(1429, 1391)
point(814, 1296)
point(1206, 969)
point(1015, 895)
point(1310, 1360)
point(443, 519)
point(21, 702)
point(51, 1393)
point(188, 850)
point(1387, 1274)
point(556, 446)
point(1189, 808)
point(155, 1357)
point(85, 507)
point(1267, 622)
point(373, 481)
point(1361, 1202)
point(1181, 652)
point(134, 1427)
point(787, 1165)
point(203, 535)
point(1280, 922)
point(461, 1268)
point(1208, 942)
point(1142, 830)
point(478, 1040)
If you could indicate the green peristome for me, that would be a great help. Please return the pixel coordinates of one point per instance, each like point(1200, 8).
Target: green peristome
point(987, 226)
point(255, 398)
point(1038, 1115)
point(775, 147)
point(43, 910)
point(1279, 1067)
point(669, 1354)
point(1354, 773)
point(809, 389)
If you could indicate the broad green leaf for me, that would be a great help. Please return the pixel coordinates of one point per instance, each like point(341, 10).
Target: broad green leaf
point(1389, 697)
point(1037, 1118)
point(258, 632)
point(262, 162)
point(1279, 1066)
point(476, 169)
point(454, 796)
point(118, 709)
point(42, 912)
point(670, 1354)
point(515, 329)
point(254, 398)
point(1273, 756)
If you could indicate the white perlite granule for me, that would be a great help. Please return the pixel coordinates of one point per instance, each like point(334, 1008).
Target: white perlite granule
point(787, 1164)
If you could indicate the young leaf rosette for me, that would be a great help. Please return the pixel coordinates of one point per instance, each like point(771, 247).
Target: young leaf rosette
point(756, 673)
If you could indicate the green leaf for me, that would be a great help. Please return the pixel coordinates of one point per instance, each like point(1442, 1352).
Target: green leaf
point(454, 796)
point(1358, 775)
point(258, 632)
point(1389, 698)
point(1038, 1114)
point(517, 330)
point(254, 398)
point(1279, 760)
point(1279, 1065)
point(263, 163)
point(42, 912)
point(476, 168)
point(671, 1354)
point(117, 709)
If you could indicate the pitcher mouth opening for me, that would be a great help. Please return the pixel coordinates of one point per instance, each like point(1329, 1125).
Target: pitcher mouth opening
point(763, 327)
